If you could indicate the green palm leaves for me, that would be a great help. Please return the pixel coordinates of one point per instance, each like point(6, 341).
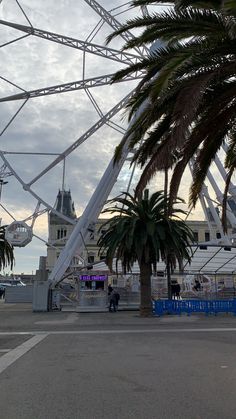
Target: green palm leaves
point(6, 251)
point(142, 231)
point(189, 89)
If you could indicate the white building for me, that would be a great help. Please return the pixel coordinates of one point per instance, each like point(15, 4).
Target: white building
point(60, 230)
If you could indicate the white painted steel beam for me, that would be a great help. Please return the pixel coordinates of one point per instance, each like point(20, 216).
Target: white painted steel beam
point(229, 214)
point(75, 243)
point(84, 137)
point(115, 24)
point(88, 47)
point(220, 167)
point(28, 189)
point(70, 87)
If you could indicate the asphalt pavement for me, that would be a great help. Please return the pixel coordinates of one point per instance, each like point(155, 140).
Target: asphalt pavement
point(66, 365)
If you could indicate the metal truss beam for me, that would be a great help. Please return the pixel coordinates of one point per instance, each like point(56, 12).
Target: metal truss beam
point(84, 137)
point(115, 24)
point(69, 87)
point(102, 51)
point(79, 235)
point(219, 195)
point(27, 188)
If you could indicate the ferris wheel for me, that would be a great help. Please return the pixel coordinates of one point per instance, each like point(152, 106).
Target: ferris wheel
point(38, 166)
point(57, 132)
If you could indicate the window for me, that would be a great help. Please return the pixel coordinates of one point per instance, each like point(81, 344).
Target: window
point(61, 233)
point(90, 258)
point(218, 235)
point(195, 236)
point(207, 236)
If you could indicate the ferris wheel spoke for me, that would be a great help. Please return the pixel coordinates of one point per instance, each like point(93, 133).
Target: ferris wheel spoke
point(88, 47)
point(115, 24)
point(69, 87)
point(14, 116)
point(102, 121)
point(28, 189)
point(111, 124)
point(8, 212)
point(23, 12)
point(14, 40)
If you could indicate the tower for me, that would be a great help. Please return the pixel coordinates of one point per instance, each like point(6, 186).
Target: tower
point(59, 230)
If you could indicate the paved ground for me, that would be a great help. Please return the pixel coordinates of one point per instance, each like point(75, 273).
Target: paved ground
point(115, 365)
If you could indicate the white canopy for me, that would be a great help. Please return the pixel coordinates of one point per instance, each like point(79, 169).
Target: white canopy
point(206, 259)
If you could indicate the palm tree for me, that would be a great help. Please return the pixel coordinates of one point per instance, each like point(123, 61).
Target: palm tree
point(142, 231)
point(190, 89)
point(6, 251)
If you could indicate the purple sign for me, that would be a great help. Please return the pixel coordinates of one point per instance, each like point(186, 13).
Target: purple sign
point(93, 277)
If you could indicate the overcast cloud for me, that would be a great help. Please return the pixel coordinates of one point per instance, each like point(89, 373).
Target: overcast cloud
point(53, 123)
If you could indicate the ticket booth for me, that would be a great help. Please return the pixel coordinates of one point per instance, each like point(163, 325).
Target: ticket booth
point(92, 293)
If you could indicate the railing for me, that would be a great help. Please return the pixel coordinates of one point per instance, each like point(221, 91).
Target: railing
point(194, 306)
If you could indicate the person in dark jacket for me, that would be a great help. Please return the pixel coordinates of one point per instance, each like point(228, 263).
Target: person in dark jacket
point(117, 299)
point(112, 300)
point(175, 289)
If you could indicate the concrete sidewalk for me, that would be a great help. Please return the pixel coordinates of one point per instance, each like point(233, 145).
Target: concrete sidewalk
point(115, 365)
point(19, 317)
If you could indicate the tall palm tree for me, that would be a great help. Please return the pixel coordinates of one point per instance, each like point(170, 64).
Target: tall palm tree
point(190, 89)
point(142, 231)
point(6, 251)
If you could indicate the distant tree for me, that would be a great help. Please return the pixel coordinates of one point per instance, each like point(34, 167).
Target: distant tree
point(6, 251)
point(143, 231)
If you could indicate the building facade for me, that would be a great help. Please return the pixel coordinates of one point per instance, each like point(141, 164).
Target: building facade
point(60, 231)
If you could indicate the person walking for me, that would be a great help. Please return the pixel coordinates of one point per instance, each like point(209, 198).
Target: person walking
point(173, 289)
point(117, 299)
point(111, 299)
point(177, 290)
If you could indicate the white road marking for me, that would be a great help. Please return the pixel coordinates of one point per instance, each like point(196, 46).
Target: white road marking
point(120, 331)
point(12, 356)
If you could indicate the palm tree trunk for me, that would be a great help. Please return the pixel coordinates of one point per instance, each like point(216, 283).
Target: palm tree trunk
point(145, 289)
point(168, 274)
point(166, 182)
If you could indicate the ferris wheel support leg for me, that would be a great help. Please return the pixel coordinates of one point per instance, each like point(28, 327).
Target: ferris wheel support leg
point(75, 242)
point(230, 216)
point(202, 196)
point(220, 167)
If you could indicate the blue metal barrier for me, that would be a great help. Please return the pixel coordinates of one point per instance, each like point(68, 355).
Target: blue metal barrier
point(194, 306)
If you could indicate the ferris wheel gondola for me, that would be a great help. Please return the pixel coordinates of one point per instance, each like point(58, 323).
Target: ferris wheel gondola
point(19, 234)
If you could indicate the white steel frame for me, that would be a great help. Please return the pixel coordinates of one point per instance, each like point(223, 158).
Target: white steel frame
point(75, 243)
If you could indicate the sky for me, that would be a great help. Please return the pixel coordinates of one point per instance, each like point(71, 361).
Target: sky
point(50, 124)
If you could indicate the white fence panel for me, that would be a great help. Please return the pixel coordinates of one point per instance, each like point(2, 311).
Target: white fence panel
point(19, 294)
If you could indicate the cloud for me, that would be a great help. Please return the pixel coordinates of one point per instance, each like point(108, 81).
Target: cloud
point(51, 124)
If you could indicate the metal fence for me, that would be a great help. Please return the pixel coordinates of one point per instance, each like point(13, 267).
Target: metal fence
point(194, 306)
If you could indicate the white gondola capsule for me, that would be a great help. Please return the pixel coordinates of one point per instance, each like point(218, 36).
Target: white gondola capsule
point(19, 234)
